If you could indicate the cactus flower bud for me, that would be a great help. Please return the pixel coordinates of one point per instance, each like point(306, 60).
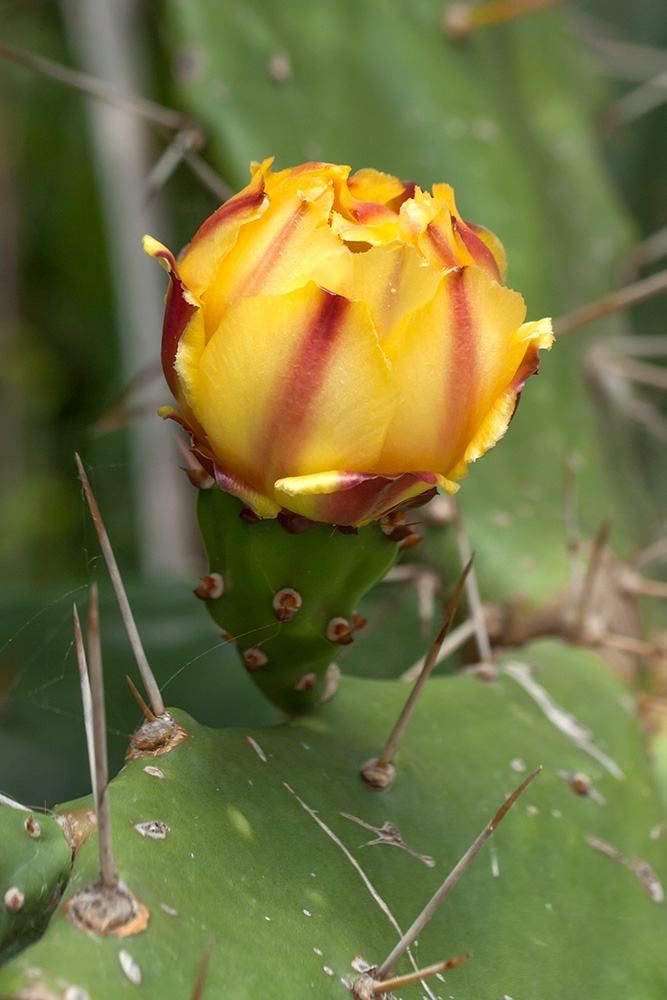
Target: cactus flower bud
point(342, 344)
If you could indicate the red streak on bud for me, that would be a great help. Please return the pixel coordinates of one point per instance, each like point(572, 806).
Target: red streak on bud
point(460, 372)
point(244, 203)
point(446, 254)
point(478, 249)
point(288, 418)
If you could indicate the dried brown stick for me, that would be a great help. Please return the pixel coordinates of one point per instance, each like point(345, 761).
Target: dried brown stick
point(451, 880)
point(398, 982)
point(638, 291)
point(150, 683)
point(99, 89)
point(108, 876)
point(398, 731)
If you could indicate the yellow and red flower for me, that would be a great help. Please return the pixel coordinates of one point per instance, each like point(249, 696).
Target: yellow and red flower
point(340, 345)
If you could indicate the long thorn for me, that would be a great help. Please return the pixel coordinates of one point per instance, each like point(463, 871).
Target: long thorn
point(623, 299)
point(139, 700)
point(398, 731)
point(454, 641)
point(87, 700)
point(472, 591)
point(461, 19)
point(200, 982)
point(398, 982)
point(108, 876)
point(451, 880)
point(147, 677)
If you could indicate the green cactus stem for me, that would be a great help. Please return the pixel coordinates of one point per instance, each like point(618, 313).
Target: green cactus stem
point(287, 601)
point(35, 862)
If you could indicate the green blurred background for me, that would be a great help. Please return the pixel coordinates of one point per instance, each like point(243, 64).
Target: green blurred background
point(553, 131)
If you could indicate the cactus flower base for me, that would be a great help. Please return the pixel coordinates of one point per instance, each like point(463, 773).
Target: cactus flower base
point(319, 575)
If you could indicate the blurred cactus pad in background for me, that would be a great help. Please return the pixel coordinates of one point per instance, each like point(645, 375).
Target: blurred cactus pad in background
point(279, 827)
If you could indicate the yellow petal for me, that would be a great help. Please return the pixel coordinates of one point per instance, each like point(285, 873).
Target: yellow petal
point(292, 385)
point(217, 235)
point(372, 185)
point(393, 280)
point(454, 360)
point(288, 246)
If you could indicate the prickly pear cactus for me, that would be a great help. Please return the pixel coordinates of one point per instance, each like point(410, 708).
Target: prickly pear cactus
point(36, 863)
point(254, 860)
point(288, 601)
point(264, 849)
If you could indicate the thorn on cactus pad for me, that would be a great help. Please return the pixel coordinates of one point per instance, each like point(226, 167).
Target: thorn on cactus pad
point(338, 630)
point(368, 988)
point(32, 827)
point(254, 658)
point(286, 603)
point(460, 20)
point(148, 715)
point(211, 587)
point(147, 676)
point(106, 910)
point(451, 880)
point(156, 737)
point(377, 773)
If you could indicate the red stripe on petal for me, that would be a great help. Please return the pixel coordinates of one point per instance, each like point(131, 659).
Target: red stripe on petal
point(244, 203)
point(529, 366)
point(461, 370)
point(409, 188)
point(178, 313)
point(445, 253)
point(276, 250)
point(369, 212)
point(288, 422)
point(365, 497)
point(477, 249)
